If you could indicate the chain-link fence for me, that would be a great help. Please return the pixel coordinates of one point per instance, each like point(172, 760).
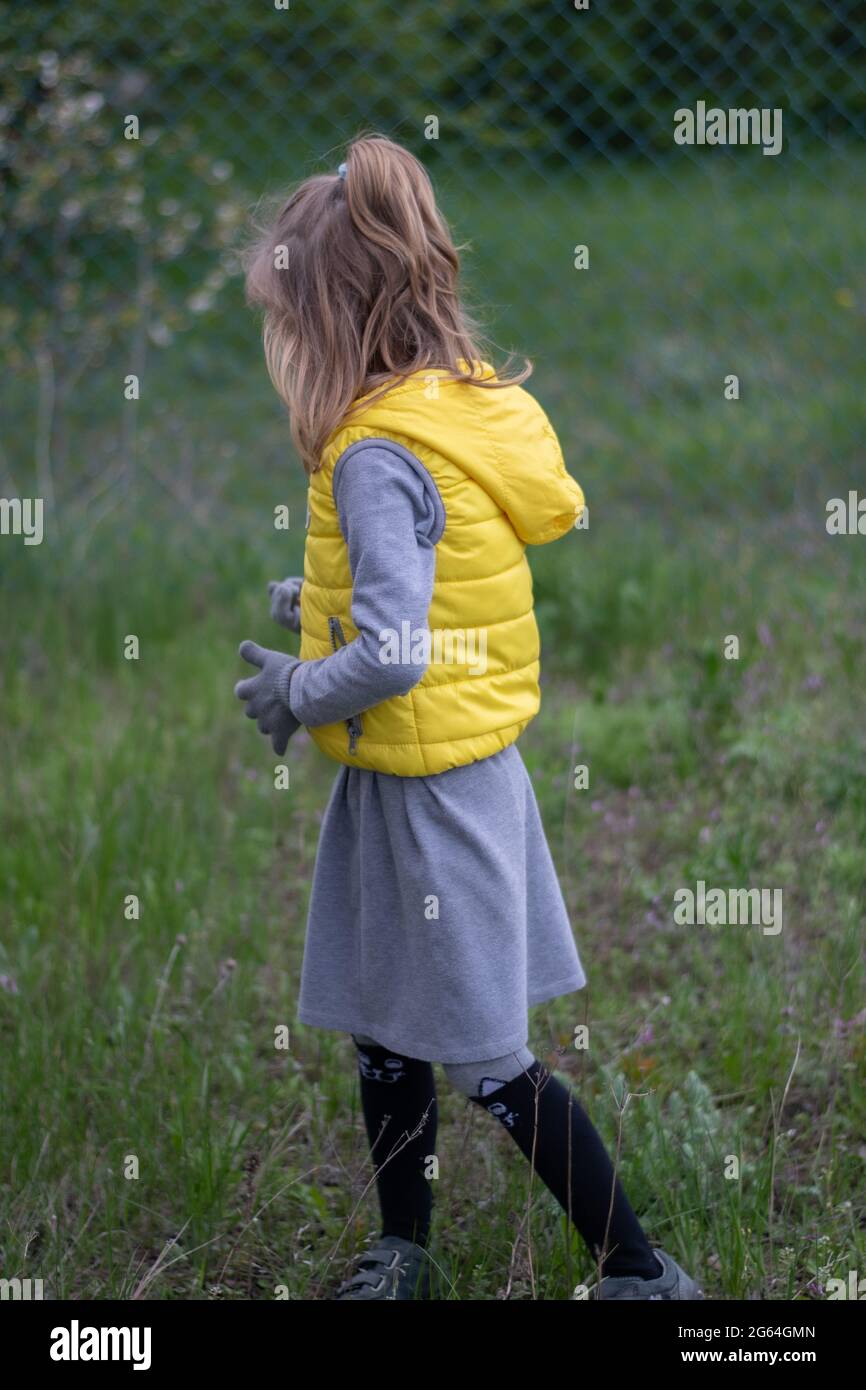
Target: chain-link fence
point(660, 200)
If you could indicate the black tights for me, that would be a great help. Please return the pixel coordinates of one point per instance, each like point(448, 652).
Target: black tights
point(549, 1126)
point(398, 1097)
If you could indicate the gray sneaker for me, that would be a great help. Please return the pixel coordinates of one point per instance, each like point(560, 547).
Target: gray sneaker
point(393, 1268)
point(672, 1283)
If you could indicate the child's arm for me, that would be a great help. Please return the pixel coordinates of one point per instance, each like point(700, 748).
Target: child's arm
point(285, 596)
point(266, 696)
point(391, 516)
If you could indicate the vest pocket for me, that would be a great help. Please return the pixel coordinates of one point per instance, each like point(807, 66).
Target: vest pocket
point(353, 724)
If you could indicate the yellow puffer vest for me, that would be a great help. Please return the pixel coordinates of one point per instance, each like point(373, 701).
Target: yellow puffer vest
point(499, 469)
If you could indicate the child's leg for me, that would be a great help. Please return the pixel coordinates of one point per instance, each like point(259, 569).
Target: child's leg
point(552, 1129)
point(398, 1097)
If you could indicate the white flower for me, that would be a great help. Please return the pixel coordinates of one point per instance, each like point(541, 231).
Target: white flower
point(160, 334)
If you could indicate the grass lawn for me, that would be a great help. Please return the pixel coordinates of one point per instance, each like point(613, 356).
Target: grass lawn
point(155, 1141)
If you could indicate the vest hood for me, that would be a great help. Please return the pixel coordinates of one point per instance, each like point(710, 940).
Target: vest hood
point(500, 437)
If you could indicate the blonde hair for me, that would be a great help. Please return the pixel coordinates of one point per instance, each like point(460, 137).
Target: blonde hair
point(358, 279)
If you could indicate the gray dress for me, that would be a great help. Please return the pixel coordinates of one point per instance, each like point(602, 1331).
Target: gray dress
point(436, 919)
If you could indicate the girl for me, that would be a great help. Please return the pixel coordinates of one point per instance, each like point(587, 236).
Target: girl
point(436, 919)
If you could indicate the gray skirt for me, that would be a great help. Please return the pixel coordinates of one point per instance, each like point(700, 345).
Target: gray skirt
point(436, 918)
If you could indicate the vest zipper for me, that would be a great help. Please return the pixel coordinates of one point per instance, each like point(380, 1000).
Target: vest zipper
point(353, 724)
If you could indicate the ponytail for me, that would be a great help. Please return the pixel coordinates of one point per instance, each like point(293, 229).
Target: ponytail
point(358, 278)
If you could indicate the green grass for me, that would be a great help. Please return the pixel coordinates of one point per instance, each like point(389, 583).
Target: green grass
point(152, 1037)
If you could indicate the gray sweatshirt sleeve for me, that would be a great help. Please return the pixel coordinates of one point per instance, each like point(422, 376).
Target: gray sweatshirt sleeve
point(391, 516)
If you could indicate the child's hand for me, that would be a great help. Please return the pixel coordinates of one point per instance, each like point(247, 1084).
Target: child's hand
point(286, 602)
point(267, 694)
